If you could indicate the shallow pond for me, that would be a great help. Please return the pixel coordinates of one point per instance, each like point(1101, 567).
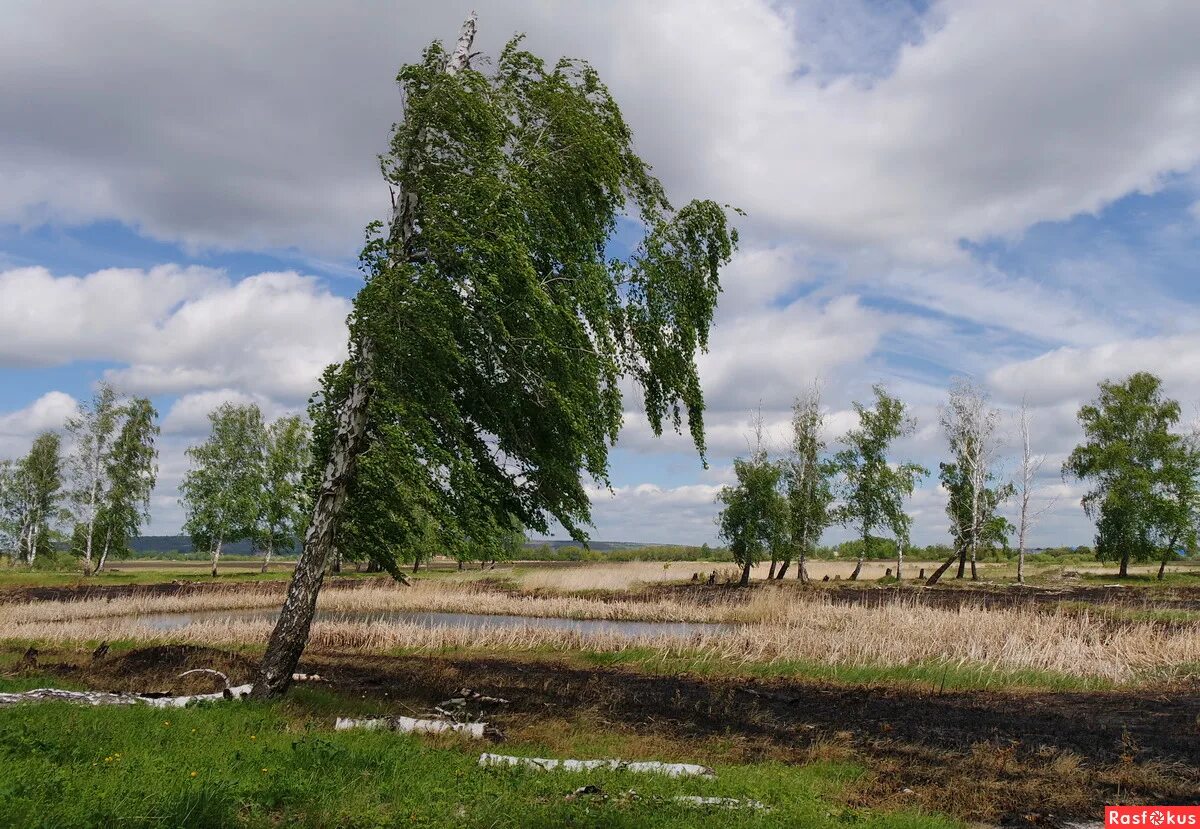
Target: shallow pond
point(172, 621)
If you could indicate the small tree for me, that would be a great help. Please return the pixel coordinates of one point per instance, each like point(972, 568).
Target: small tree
point(872, 490)
point(1031, 464)
point(1144, 498)
point(222, 491)
point(284, 498)
point(131, 472)
point(92, 428)
point(971, 426)
point(808, 479)
point(753, 520)
point(30, 494)
point(972, 514)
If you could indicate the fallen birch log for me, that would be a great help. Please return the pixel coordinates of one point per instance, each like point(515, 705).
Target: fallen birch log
point(410, 725)
point(644, 766)
point(104, 698)
point(722, 802)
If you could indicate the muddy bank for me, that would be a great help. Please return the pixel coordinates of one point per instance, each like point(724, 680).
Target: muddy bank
point(76, 592)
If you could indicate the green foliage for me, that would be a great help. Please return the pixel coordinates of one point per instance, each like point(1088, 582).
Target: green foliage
point(809, 478)
point(221, 492)
point(1144, 496)
point(495, 331)
point(284, 498)
point(873, 491)
point(131, 472)
point(754, 514)
point(31, 491)
point(988, 530)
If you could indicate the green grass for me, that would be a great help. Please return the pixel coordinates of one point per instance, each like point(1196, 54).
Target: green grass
point(926, 676)
point(249, 764)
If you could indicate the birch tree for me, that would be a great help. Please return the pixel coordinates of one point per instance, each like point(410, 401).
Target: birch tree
point(222, 490)
point(31, 490)
point(489, 342)
point(754, 520)
point(971, 427)
point(872, 489)
point(131, 472)
point(92, 428)
point(808, 478)
point(284, 499)
point(1031, 464)
point(1144, 495)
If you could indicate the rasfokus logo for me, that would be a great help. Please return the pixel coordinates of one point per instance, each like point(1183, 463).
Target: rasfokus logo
point(1151, 816)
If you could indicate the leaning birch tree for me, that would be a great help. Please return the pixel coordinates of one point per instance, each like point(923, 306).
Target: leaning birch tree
point(489, 342)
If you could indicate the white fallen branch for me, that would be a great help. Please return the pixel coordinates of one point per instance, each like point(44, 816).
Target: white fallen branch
point(410, 725)
point(104, 698)
point(722, 802)
point(645, 766)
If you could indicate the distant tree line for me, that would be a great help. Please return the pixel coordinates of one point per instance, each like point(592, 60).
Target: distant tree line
point(87, 499)
point(1142, 469)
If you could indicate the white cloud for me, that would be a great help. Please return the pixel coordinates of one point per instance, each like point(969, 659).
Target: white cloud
point(18, 428)
point(990, 117)
point(176, 329)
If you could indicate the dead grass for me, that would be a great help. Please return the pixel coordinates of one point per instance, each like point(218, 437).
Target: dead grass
point(780, 626)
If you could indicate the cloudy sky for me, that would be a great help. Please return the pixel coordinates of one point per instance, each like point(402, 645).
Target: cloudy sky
point(1007, 190)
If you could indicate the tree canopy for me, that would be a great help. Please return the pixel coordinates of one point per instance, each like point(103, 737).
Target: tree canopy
point(497, 321)
point(1144, 495)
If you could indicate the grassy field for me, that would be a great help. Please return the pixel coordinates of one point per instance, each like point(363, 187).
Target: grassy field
point(245, 764)
point(876, 703)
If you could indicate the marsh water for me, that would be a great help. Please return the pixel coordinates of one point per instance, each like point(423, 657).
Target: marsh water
point(172, 621)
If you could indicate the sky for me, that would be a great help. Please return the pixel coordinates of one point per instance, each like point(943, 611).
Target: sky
point(1002, 190)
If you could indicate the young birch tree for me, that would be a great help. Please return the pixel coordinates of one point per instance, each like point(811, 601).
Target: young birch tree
point(131, 472)
point(92, 428)
point(971, 426)
point(30, 494)
point(222, 490)
point(754, 514)
point(1031, 464)
point(285, 503)
point(872, 490)
point(488, 344)
point(808, 478)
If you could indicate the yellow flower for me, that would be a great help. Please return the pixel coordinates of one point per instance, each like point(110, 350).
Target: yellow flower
point(252, 737)
point(195, 773)
point(264, 771)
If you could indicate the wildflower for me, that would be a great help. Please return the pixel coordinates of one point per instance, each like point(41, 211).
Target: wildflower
point(252, 737)
point(194, 773)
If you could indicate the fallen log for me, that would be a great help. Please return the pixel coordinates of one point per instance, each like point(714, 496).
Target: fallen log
point(105, 698)
point(722, 802)
point(411, 725)
point(642, 766)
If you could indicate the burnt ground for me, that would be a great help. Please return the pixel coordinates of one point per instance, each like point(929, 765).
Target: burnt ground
point(1020, 758)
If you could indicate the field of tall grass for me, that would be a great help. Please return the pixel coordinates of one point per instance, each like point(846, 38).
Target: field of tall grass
point(774, 626)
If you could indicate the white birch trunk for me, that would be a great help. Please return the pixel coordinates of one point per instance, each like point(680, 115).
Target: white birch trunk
point(216, 555)
point(295, 618)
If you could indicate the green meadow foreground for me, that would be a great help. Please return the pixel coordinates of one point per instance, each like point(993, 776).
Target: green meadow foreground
point(875, 703)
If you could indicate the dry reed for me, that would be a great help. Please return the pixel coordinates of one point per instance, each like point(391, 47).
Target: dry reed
point(781, 627)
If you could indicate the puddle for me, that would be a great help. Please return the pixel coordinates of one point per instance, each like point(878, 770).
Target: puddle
point(173, 621)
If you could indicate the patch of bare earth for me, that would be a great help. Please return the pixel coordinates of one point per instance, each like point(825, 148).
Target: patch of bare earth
point(1020, 759)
